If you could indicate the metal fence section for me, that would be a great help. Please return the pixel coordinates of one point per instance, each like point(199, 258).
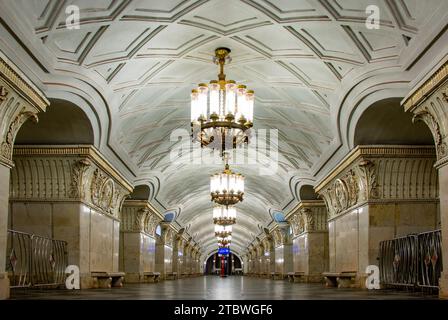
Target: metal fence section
point(414, 261)
point(35, 261)
point(398, 261)
point(430, 259)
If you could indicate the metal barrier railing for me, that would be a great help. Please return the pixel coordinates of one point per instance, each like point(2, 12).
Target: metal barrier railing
point(414, 261)
point(430, 259)
point(35, 261)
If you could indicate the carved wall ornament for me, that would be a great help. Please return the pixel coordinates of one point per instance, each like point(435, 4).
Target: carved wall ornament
point(307, 218)
point(169, 237)
point(133, 219)
point(151, 223)
point(80, 176)
point(19, 120)
point(140, 219)
point(445, 96)
point(427, 117)
point(104, 193)
point(3, 94)
point(357, 184)
point(79, 179)
point(381, 174)
point(368, 180)
point(341, 194)
point(279, 238)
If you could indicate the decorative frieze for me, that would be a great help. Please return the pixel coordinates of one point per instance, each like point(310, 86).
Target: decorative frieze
point(68, 173)
point(381, 174)
point(429, 104)
point(139, 216)
point(11, 77)
point(308, 216)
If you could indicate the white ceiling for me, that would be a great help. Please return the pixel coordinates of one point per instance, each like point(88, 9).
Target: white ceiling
point(143, 58)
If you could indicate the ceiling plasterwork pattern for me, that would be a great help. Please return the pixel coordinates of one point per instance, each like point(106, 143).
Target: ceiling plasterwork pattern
point(145, 56)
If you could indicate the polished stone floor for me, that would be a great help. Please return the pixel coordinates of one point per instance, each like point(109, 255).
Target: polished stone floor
point(216, 288)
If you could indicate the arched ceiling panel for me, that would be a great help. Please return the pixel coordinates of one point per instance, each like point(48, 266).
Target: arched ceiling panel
point(144, 57)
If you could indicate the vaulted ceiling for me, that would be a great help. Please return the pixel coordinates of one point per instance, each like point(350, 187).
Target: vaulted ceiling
point(136, 62)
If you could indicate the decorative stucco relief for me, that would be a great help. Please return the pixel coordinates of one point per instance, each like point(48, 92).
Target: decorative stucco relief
point(52, 174)
point(380, 173)
point(136, 216)
point(429, 104)
point(309, 216)
point(19, 101)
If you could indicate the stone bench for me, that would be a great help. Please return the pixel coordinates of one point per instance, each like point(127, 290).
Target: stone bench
point(171, 276)
point(298, 276)
point(276, 276)
point(151, 276)
point(344, 279)
point(103, 279)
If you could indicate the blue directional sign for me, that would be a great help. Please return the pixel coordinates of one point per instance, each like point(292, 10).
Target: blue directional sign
point(224, 251)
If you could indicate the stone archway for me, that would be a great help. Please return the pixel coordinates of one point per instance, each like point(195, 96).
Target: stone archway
point(20, 100)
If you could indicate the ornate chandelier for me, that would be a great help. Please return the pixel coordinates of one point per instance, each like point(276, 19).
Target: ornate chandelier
point(224, 242)
point(227, 187)
point(223, 231)
point(221, 112)
point(224, 216)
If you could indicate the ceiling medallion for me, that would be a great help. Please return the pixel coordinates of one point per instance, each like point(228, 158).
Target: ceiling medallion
point(221, 112)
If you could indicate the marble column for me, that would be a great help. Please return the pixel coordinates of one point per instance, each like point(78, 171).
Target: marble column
point(20, 100)
point(4, 197)
point(164, 250)
point(443, 184)
point(283, 250)
point(310, 239)
point(139, 221)
point(175, 259)
point(268, 258)
point(196, 269)
point(249, 266)
point(429, 103)
point(378, 193)
point(180, 256)
point(187, 259)
point(259, 259)
point(80, 204)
